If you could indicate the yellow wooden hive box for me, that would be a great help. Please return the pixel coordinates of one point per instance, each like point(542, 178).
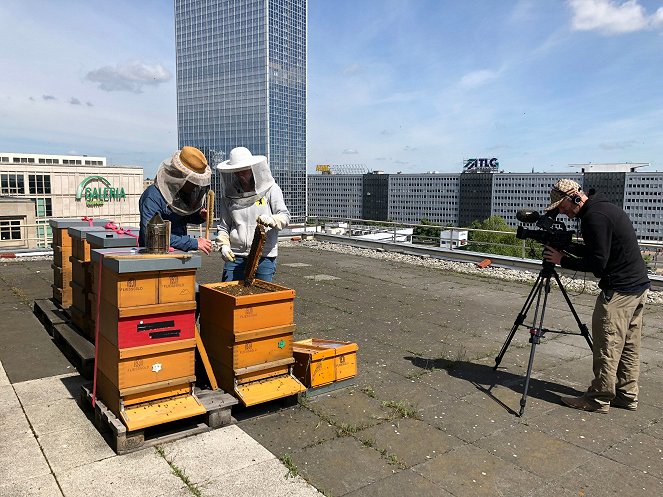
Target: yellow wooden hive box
point(319, 362)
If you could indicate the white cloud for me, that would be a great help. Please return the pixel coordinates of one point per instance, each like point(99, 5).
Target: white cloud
point(350, 151)
point(48, 97)
point(74, 101)
point(129, 77)
point(478, 78)
point(612, 17)
point(351, 70)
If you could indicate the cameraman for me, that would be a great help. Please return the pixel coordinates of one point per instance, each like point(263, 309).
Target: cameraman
point(611, 252)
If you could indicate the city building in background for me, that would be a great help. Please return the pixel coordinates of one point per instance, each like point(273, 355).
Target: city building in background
point(66, 186)
point(241, 81)
point(430, 196)
point(474, 195)
point(17, 223)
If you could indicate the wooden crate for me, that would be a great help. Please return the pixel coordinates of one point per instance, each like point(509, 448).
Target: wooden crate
point(62, 296)
point(61, 237)
point(130, 289)
point(319, 362)
point(237, 314)
point(177, 286)
point(61, 256)
point(137, 366)
point(135, 327)
point(61, 277)
point(249, 348)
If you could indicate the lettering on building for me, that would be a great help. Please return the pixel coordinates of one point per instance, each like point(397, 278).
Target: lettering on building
point(481, 165)
point(100, 194)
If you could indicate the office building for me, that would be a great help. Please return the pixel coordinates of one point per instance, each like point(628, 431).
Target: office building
point(66, 186)
point(241, 81)
point(458, 199)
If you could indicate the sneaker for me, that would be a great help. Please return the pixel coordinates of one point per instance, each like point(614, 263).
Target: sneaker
point(629, 405)
point(585, 404)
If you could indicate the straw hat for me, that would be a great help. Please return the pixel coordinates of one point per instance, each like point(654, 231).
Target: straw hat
point(240, 158)
point(193, 159)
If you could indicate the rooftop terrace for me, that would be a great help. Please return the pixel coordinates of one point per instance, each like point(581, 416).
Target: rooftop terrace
point(428, 415)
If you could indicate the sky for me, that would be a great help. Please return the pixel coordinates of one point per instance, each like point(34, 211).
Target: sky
point(395, 85)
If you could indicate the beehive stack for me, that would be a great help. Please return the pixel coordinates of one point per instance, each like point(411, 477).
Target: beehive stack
point(96, 240)
point(146, 341)
point(81, 309)
point(62, 251)
point(248, 339)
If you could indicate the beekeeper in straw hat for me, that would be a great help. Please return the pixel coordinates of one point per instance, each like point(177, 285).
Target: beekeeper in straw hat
point(177, 194)
point(250, 196)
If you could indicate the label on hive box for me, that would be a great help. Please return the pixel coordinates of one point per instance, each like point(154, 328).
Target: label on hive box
point(175, 283)
point(131, 285)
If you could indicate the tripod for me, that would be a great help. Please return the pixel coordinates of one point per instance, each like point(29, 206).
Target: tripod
point(537, 331)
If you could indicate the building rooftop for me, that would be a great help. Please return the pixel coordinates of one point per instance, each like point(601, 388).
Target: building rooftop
point(427, 416)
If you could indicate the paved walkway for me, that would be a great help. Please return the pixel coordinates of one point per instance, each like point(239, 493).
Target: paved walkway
point(428, 416)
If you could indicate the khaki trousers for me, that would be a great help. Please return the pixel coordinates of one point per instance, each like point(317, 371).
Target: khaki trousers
point(616, 331)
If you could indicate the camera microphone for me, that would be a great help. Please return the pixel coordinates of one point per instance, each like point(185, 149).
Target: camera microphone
point(527, 216)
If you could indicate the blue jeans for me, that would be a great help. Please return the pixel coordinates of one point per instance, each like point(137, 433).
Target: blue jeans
point(234, 271)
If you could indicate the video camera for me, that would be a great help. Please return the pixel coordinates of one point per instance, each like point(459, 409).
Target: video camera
point(551, 232)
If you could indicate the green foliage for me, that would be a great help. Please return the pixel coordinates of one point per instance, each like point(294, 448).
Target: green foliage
point(429, 234)
point(500, 243)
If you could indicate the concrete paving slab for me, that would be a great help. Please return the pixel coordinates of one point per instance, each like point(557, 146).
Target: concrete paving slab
point(47, 390)
point(651, 387)
point(13, 425)
point(341, 466)
point(58, 415)
point(636, 421)
point(591, 431)
point(133, 475)
point(225, 450)
point(265, 478)
point(403, 483)
point(69, 448)
point(393, 387)
point(350, 408)
point(408, 441)
point(601, 476)
point(8, 399)
point(641, 452)
point(4, 380)
point(21, 458)
point(535, 451)
point(469, 470)
point(298, 428)
point(40, 486)
point(468, 421)
point(655, 430)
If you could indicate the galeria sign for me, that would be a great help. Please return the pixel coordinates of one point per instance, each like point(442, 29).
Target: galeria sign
point(100, 193)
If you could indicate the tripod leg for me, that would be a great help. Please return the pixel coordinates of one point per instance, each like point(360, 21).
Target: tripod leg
point(522, 315)
point(584, 331)
point(537, 334)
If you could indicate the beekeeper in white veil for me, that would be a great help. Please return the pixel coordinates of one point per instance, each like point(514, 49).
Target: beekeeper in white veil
point(250, 197)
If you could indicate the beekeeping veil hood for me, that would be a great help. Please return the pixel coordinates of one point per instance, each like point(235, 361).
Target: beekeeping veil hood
point(184, 179)
point(241, 159)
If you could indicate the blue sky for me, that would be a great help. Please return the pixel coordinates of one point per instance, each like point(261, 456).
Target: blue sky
point(396, 85)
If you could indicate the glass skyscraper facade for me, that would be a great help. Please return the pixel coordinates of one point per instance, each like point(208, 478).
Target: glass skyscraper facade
point(241, 81)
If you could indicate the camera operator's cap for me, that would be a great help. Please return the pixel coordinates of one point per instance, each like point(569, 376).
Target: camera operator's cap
point(561, 190)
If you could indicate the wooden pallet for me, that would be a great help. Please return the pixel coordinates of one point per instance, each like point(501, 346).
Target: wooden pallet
point(217, 402)
point(78, 349)
point(50, 313)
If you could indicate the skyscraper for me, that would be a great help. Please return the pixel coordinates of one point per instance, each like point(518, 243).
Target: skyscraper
point(241, 81)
